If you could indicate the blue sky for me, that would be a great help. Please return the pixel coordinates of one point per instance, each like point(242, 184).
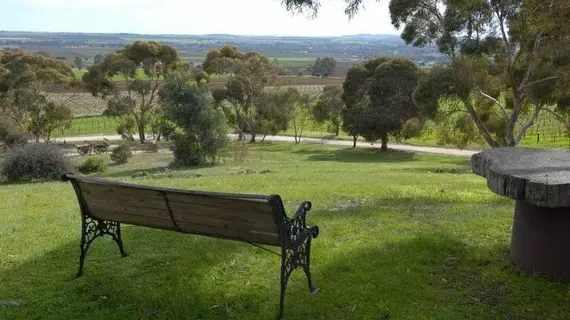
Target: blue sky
point(251, 17)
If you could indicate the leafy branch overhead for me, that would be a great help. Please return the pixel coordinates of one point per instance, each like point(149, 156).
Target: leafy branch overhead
point(507, 59)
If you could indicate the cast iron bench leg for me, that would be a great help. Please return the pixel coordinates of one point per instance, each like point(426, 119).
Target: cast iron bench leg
point(290, 260)
point(92, 229)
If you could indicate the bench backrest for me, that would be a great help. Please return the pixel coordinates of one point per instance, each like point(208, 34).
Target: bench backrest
point(249, 218)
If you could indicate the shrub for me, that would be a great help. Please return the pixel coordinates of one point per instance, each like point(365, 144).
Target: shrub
point(16, 139)
point(412, 128)
point(202, 135)
point(35, 161)
point(93, 164)
point(121, 154)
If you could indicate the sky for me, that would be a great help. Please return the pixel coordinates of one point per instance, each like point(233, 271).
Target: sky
point(241, 17)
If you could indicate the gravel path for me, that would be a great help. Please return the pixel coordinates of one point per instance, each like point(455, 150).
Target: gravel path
point(403, 147)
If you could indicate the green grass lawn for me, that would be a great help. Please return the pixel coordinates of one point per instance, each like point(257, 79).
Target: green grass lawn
point(397, 242)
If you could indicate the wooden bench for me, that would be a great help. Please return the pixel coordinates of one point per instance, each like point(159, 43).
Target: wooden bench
point(255, 219)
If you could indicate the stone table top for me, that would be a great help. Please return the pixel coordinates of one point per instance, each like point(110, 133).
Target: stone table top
point(539, 176)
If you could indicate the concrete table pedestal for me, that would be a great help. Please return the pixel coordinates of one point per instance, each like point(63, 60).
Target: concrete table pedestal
point(540, 182)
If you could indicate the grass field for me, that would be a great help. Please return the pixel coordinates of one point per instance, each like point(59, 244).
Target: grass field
point(397, 242)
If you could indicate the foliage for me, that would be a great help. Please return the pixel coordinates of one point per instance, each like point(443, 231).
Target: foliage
point(505, 52)
point(202, 135)
point(275, 110)
point(121, 154)
point(23, 99)
point(35, 161)
point(301, 112)
point(16, 138)
point(248, 74)
point(98, 59)
point(329, 107)
point(381, 90)
point(412, 128)
point(323, 67)
point(93, 164)
point(78, 62)
point(138, 100)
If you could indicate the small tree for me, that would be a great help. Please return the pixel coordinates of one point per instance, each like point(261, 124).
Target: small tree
point(78, 62)
point(382, 90)
point(273, 111)
point(202, 134)
point(23, 98)
point(323, 67)
point(248, 74)
point(121, 154)
point(138, 98)
point(301, 112)
point(329, 107)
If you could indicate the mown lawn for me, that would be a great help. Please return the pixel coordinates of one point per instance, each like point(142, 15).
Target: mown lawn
point(398, 241)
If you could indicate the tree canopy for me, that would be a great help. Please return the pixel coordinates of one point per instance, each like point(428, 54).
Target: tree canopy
point(248, 74)
point(511, 53)
point(23, 80)
point(378, 97)
point(323, 67)
point(135, 104)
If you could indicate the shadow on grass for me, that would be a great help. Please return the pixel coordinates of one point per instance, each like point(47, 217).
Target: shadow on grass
point(175, 276)
point(357, 155)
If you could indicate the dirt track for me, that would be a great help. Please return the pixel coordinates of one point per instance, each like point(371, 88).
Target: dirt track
point(403, 147)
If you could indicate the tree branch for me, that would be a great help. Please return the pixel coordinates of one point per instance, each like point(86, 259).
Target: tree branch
point(503, 109)
point(481, 125)
point(530, 122)
point(531, 63)
point(541, 80)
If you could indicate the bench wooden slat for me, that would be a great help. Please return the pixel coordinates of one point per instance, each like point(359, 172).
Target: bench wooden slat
point(245, 219)
point(135, 219)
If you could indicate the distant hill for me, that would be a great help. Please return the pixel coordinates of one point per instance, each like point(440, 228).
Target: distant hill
point(291, 52)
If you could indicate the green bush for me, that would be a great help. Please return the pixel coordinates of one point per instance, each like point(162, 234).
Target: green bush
point(16, 139)
point(201, 137)
point(412, 128)
point(35, 161)
point(93, 164)
point(121, 154)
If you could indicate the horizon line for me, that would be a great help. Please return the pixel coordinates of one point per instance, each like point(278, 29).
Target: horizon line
point(203, 35)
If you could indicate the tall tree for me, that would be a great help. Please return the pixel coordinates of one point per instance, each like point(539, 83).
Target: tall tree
point(323, 67)
point(248, 74)
point(23, 80)
point(329, 107)
point(381, 89)
point(137, 99)
point(512, 53)
point(78, 62)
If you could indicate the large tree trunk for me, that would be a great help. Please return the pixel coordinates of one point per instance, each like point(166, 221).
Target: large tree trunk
point(337, 132)
point(141, 133)
point(264, 135)
point(354, 141)
point(384, 145)
point(252, 140)
point(510, 138)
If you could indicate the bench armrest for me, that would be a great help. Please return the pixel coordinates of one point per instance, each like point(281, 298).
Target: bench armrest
point(297, 226)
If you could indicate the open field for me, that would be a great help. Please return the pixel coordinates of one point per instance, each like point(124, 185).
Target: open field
point(398, 241)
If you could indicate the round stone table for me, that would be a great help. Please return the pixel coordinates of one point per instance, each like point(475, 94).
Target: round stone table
point(539, 181)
